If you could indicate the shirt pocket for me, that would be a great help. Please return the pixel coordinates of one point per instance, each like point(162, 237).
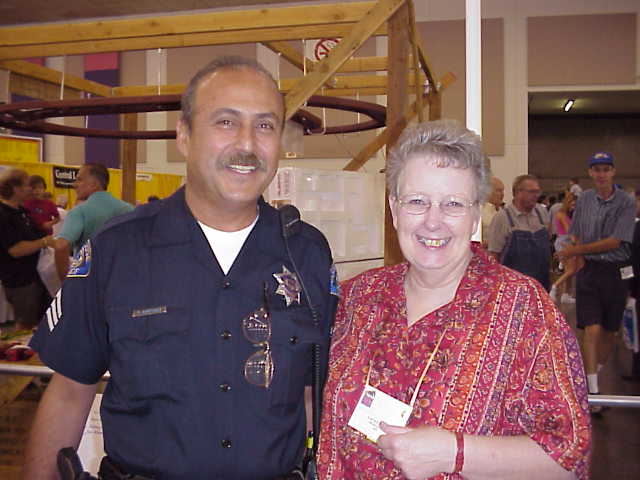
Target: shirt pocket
point(148, 351)
point(292, 337)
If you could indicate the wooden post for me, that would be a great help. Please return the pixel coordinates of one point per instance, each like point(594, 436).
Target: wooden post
point(397, 102)
point(435, 106)
point(129, 159)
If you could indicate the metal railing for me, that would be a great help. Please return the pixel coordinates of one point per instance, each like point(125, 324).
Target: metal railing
point(42, 371)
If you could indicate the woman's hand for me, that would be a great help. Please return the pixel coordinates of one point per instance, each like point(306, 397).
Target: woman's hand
point(418, 453)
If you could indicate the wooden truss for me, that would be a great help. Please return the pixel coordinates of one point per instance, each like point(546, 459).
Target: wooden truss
point(407, 67)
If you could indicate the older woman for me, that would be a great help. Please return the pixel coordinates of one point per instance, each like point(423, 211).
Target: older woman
point(450, 365)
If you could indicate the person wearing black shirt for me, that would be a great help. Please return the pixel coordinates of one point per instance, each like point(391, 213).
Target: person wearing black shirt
point(20, 245)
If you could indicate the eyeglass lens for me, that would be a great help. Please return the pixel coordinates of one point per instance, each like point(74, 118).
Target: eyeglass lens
point(259, 368)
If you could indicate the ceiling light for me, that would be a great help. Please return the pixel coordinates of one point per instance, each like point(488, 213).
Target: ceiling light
point(568, 104)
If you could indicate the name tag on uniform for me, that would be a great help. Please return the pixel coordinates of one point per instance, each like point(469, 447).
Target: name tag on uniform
point(626, 272)
point(146, 312)
point(374, 407)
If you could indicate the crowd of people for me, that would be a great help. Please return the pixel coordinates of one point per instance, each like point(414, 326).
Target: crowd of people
point(593, 242)
point(219, 317)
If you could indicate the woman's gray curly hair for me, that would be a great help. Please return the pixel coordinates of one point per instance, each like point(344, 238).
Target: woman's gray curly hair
point(445, 143)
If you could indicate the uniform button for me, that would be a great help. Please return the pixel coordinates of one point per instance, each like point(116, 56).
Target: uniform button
point(293, 340)
point(226, 284)
point(225, 334)
point(226, 443)
point(225, 387)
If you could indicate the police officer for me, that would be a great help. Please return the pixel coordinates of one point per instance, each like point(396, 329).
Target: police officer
point(196, 305)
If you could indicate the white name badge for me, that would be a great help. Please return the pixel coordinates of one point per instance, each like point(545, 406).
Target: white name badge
point(374, 407)
point(626, 272)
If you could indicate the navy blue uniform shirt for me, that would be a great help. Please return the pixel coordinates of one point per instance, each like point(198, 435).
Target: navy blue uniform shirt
point(148, 301)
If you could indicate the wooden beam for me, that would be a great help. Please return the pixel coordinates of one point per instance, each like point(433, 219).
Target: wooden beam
point(396, 110)
point(177, 41)
point(289, 53)
point(34, 88)
point(426, 67)
point(354, 82)
point(129, 162)
point(435, 105)
point(417, 84)
point(144, 90)
point(300, 16)
point(359, 33)
point(435, 111)
point(364, 64)
point(56, 77)
point(380, 141)
point(177, 89)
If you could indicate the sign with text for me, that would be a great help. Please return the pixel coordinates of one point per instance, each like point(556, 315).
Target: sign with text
point(63, 177)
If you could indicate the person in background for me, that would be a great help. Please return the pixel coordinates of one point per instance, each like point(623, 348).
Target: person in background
point(203, 307)
point(84, 220)
point(449, 365)
point(602, 231)
point(20, 245)
point(42, 210)
point(62, 201)
point(574, 186)
point(491, 207)
point(544, 200)
point(562, 224)
point(519, 233)
point(553, 209)
point(635, 285)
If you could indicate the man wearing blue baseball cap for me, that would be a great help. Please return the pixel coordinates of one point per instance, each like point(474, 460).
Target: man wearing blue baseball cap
point(602, 231)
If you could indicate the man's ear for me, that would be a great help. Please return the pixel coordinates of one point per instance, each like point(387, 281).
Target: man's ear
point(183, 137)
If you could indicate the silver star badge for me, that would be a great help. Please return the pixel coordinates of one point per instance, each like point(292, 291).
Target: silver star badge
point(288, 286)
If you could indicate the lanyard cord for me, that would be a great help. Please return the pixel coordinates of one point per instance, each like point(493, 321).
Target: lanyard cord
point(424, 371)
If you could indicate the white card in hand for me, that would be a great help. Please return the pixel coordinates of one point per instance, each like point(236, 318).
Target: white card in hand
point(374, 407)
point(626, 272)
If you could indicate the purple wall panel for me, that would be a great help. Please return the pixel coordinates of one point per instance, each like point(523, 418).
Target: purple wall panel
point(103, 150)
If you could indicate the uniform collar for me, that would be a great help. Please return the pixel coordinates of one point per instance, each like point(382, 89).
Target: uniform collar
point(173, 221)
point(174, 224)
point(268, 232)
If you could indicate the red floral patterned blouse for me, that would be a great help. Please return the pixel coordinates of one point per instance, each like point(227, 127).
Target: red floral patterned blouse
point(508, 364)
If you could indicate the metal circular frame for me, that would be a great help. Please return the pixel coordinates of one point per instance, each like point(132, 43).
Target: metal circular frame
point(31, 116)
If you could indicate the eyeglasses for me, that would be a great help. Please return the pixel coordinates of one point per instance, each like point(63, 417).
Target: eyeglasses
point(451, 205)
point(530, 191)
point(256, 327)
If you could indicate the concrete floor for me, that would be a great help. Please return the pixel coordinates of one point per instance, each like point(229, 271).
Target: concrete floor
point(616, 433)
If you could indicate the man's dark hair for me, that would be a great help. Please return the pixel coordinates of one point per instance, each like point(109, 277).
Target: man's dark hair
point(35, 180)
point(11, 179)
point(231, 62)
point(100, 173)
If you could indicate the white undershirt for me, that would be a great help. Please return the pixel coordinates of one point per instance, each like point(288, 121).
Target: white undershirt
point(226, 245)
